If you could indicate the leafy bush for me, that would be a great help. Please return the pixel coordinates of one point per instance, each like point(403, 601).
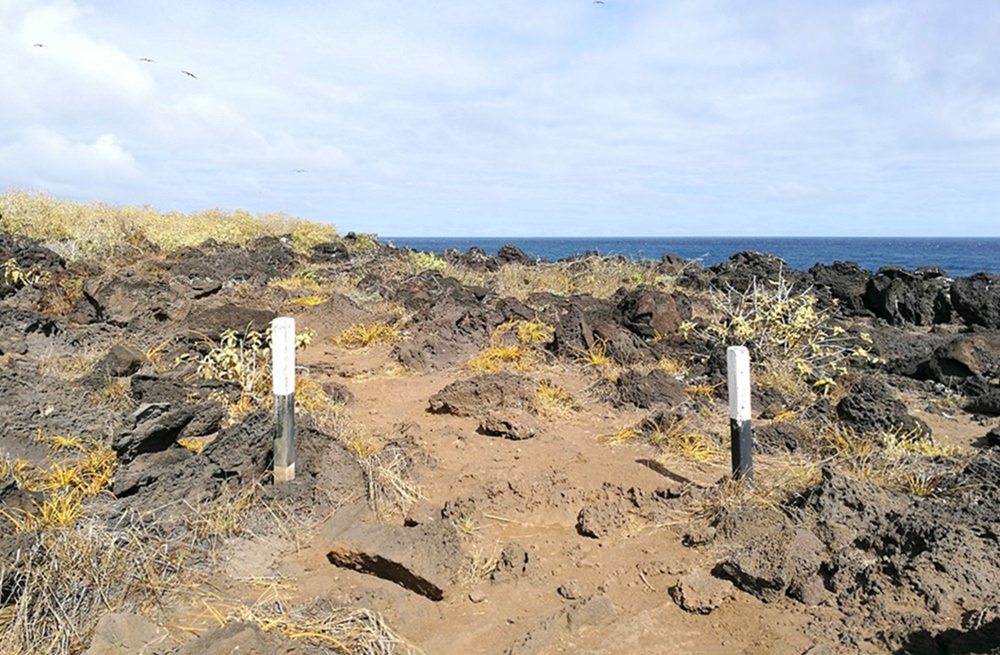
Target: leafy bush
point(426, 261)
point(783, 328)
point(244, 360)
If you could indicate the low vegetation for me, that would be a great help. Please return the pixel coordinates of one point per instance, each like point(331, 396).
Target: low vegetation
point(243, 359)
point(82, 468)
point(794, 346)
point(516, 345)
point(79, 229)
point(366, 335)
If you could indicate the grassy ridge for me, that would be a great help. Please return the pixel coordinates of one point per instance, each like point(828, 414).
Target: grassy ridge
point(79, 229)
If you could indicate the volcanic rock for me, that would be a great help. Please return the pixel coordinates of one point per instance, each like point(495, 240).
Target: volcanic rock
point(977, 299)
point(900, 296)
point(483, 393)
point(699, 592)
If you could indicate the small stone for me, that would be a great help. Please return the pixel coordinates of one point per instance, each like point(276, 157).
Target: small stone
point(700, 593)
point(569, 590)
point(477, 596)
point(698, 536)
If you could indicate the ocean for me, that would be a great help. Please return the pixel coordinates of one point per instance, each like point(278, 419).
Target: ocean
point(956, 256)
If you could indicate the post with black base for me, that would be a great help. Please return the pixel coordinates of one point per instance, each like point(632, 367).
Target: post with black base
point(283, 384)
point(738, 364)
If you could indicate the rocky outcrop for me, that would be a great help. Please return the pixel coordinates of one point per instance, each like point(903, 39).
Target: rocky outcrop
point(977, 299)
point(649, 314)
point(648, 390)
point(844, 282)
point(902, 297)
point(871, 407)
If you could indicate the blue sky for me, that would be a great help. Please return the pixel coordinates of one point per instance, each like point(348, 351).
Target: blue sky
point(516, 117)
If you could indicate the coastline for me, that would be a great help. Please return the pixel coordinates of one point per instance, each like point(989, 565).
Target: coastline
point(957, 256)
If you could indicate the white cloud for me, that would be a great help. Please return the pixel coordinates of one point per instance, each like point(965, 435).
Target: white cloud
point(541, 117)
point(54, 158)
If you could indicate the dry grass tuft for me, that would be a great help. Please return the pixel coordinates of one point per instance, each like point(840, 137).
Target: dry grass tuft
point(596, 276)
point(223, 516)
point(116, 395)
point(902, 460)
point(596, 355)
point(553, 402)
point(65, 485)
point(514, 346)
point(327, 628)
point(504, 358)
point(624, 435)
point(677, 438)
point(311, 301)
point(391, 492)
point(365, 335)
point(66, 579)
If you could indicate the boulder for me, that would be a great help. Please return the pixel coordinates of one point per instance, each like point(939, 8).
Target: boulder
point(596, 610)
point(600, 519)
point(330, 252)
point(845, 282)
point(511, 254)
point(872, 407)
point(484, 393)
point(214, 263)
point(977, 299)
point(213, 321)
point(902, 297)
point(648, 390)
point(515, 425)
point(155, 427)
point(699, 592)
point(126, 299)
point(513, 563)
point(740, 271)
point(650, 314)
point(119, 362)
point(965, 356)
point(987, 403)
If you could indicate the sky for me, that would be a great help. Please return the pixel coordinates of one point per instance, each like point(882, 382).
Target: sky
point(516, 117)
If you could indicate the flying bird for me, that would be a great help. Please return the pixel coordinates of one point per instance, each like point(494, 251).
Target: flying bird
point(598, 2)
point(147, 60)
point(38, 45)
point(299, 170)
point(190, 74)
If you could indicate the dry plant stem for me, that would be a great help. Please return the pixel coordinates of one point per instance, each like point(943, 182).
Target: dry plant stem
point(67, 578)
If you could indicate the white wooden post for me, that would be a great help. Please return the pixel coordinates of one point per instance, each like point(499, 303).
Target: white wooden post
point(738, 365)
point(283, 383)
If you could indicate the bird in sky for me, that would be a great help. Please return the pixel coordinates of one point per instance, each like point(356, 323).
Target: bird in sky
point(598, 2)
point(190, 74)
point(38, 45)
point(147, 60)
point(299, 170)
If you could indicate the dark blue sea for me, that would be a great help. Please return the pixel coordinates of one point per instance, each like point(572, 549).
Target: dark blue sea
point(957, 256)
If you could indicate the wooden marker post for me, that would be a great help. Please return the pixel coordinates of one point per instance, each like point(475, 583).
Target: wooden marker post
point(738, 364)
point(283, 377)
